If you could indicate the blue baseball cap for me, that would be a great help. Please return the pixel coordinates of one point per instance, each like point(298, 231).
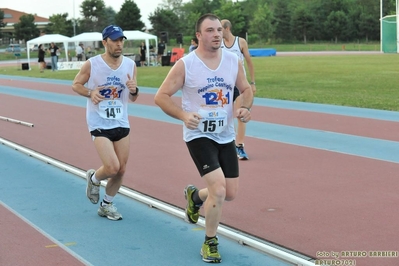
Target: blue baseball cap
point(113, 32)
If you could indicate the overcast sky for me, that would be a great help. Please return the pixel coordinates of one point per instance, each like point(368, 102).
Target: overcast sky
point(46, 8)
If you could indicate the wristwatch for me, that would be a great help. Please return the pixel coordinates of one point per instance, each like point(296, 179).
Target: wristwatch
point(252, 83)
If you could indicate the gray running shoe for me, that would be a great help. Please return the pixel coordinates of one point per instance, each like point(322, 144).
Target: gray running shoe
point(110, 212)
point(92, 190)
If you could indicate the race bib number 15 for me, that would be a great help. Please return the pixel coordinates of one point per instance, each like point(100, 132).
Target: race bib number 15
point(111, 109)
point(213, 121)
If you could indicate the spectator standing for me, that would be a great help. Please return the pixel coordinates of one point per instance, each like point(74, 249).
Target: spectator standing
point(54, 52)
point(41, 54)
point(143, 50)
point(194, 44)
point(161, 50)
point(89, 53)
point(79, 51)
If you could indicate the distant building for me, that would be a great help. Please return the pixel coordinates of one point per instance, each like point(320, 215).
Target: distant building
point(11, 17)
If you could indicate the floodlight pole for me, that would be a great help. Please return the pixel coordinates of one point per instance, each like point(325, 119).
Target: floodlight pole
point(74, 21)
point(397, 26)
point(381, 26)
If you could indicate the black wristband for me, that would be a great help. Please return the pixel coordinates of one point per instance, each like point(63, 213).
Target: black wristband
point(137, 92)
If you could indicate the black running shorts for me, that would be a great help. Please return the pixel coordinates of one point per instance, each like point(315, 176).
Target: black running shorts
point(114, 134)
point(236, 93)
point(209, 155)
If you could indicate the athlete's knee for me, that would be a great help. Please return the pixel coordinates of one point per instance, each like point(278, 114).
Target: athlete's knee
point(218, 192)
point(230, 196)
point(231, 193)
point(121, 171)
point(113, 169)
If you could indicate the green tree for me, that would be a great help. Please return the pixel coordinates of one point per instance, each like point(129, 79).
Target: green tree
point(2, 23)
point(316, 10)
point(368, 17)
point(129, 17)
point(321, 9)
point(336, 23)
point(94, 16)
point(174, 5)
point(59, 24)
point(301, 22)
point(191, 11)
point(200, 6)
point(353, 24)
point(247, 10)
point(367, 25)
point(339, 5)
point(110, 15)
point(170, 4)
point(26, 28)
point(282, 20)
point(164, 20)
point(232, 11)
point(262, 22)
point(388, 7)
point(189, 28)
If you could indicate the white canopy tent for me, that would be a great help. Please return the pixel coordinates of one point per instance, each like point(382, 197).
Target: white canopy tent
point(91, 36)
point(130, 35)
point(87, 37)
point(46, 39)
point(139, 35)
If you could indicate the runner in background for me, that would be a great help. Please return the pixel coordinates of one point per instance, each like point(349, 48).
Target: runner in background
point(238, 46)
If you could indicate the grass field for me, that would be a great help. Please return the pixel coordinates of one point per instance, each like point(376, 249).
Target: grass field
point(132, 47)
point(368, 81)
point(315, 47)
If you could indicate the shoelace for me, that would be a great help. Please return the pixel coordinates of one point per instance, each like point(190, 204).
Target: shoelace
point(110, 208)
point(94, 188)
point(213, 247)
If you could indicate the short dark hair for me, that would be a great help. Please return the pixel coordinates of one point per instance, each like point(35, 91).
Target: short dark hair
point(202, 18)
point(195, 39)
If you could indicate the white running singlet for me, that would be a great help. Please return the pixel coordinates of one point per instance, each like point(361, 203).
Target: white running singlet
point(235, 48)
point(210, 93)
point(112, 111)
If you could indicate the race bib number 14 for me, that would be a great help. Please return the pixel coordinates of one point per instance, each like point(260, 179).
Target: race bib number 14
point(213, 121)
point(111, 109)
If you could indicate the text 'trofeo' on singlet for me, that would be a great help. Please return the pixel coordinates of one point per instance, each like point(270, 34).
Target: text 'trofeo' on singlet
point(112, 111)
point(210, 93)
